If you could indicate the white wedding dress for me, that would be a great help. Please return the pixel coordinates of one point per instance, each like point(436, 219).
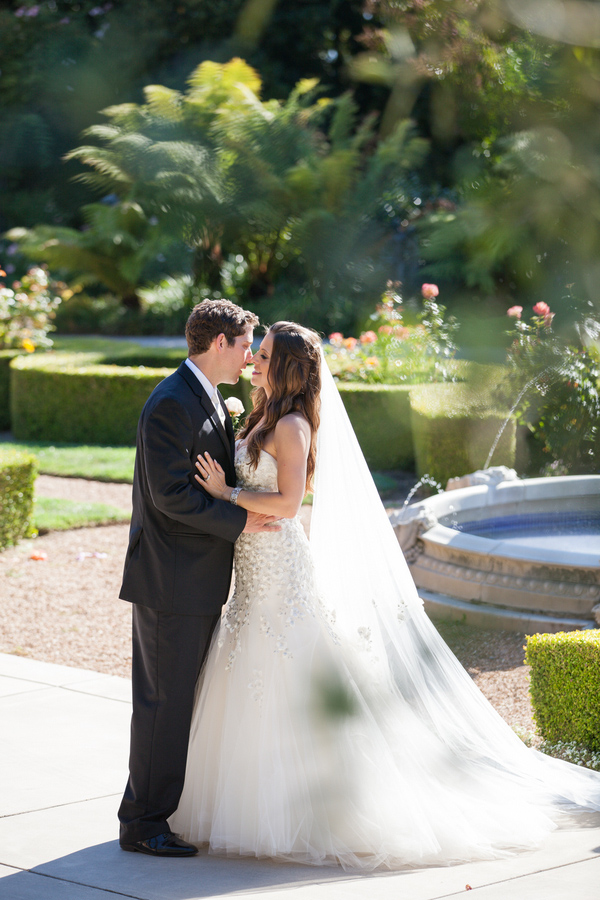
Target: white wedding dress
point(319, 741)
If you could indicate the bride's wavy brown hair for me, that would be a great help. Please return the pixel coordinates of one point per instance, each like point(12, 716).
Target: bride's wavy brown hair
point(295, 379)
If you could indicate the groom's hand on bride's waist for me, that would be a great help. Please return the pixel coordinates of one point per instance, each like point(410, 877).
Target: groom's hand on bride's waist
point(257, 522)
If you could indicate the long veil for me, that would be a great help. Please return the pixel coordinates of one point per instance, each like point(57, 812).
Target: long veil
point(369, 593)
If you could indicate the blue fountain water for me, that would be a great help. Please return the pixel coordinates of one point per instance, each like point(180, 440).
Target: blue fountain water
point(576, 531)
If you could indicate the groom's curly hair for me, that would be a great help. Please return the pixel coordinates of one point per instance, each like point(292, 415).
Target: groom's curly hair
point(211, 318)
point(295, 379)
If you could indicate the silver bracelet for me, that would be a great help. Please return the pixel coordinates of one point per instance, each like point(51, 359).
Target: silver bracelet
point(233, 497)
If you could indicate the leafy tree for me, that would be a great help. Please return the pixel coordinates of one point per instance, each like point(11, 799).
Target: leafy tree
point(114, 250)
point(63, 60)
point(287, 190)
point(508, 99)
point(460, 68)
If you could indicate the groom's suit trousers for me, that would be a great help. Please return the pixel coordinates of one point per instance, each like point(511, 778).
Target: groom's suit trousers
point(168, 652)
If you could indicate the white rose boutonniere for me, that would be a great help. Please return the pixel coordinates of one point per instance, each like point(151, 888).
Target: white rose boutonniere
point(235, 408)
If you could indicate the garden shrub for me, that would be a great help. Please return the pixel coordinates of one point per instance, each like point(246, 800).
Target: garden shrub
point(565, 686)
point(5, 359)
point(556, 378)
point(380, 416)
point(164, 310)
point(68, 398)
point(454, 428)
point(27, 310)
point(75, 398)
point(17, 478)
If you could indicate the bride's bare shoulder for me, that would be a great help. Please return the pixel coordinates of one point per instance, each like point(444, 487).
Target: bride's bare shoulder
point(292, 428)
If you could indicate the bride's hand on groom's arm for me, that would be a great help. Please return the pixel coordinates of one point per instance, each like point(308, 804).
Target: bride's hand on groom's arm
point(212, 477)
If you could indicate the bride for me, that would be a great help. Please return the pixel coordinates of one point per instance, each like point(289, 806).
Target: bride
point(332, 724)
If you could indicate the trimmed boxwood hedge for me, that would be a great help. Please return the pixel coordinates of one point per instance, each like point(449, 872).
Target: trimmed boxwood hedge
point(63, 397)
point(6, 356)
point(454, 428)
point(17, 477)
point(97, 398)
point(565, 686)
point(74, 398)
point(380, 416)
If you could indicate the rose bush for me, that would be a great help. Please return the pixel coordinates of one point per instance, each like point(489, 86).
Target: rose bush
point(556, 384)
point(27, 310)
point(393, 352)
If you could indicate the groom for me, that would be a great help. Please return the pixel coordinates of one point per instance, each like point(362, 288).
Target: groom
point(178, 564)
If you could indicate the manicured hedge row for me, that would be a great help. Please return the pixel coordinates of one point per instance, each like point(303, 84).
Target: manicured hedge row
point(380, 416)
point(71, 398)
point(5, 359)
point(565, 686)
point(17, 478)
point(454, 428)
point(94, 398)
point(61, 397)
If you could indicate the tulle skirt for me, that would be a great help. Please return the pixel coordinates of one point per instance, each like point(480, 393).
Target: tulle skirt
point(310, 753)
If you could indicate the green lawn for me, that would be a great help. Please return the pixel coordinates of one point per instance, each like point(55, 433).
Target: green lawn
point(82, 460)
point(112, 463)
point(117, 350)
point(77, 344)
point(52, 514)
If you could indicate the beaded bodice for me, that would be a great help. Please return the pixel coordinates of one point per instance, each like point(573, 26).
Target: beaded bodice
point(274, 573)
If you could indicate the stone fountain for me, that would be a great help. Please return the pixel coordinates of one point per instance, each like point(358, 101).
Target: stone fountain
point(502, 552)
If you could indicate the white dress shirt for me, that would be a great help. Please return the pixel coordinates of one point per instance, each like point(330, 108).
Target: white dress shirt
point(209, 387)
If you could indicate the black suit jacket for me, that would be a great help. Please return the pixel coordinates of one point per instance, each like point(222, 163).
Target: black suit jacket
point(180, 553)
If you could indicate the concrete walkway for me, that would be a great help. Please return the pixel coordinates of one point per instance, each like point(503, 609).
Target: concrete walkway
point(63, 761)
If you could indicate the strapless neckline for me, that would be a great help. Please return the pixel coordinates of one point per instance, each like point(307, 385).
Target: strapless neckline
point(242, 448)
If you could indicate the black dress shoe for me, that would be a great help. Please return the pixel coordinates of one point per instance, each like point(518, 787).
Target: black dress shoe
point(167, 844)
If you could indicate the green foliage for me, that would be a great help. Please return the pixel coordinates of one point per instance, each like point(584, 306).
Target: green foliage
point(565, 686)
point(380, 417)
point(54, 514)
point(257, 189)
point(454, 427)
point(504, 94)
point(527, 224)
point(571, 751)
point(6, 356)
point(27, 310)
point(460, 67)
point(17, 478)
point(116, 249)
point(557, 384)
point(62, 61)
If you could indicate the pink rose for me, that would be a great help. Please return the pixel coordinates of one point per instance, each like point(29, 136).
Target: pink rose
point(515, 312)
point(368, 337)
point(429, 291)
point(336, 339)
point(541, 308)
point(350, 343)
point(385, 329)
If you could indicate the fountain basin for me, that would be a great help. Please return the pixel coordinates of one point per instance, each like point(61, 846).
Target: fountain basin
point(522, 555)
